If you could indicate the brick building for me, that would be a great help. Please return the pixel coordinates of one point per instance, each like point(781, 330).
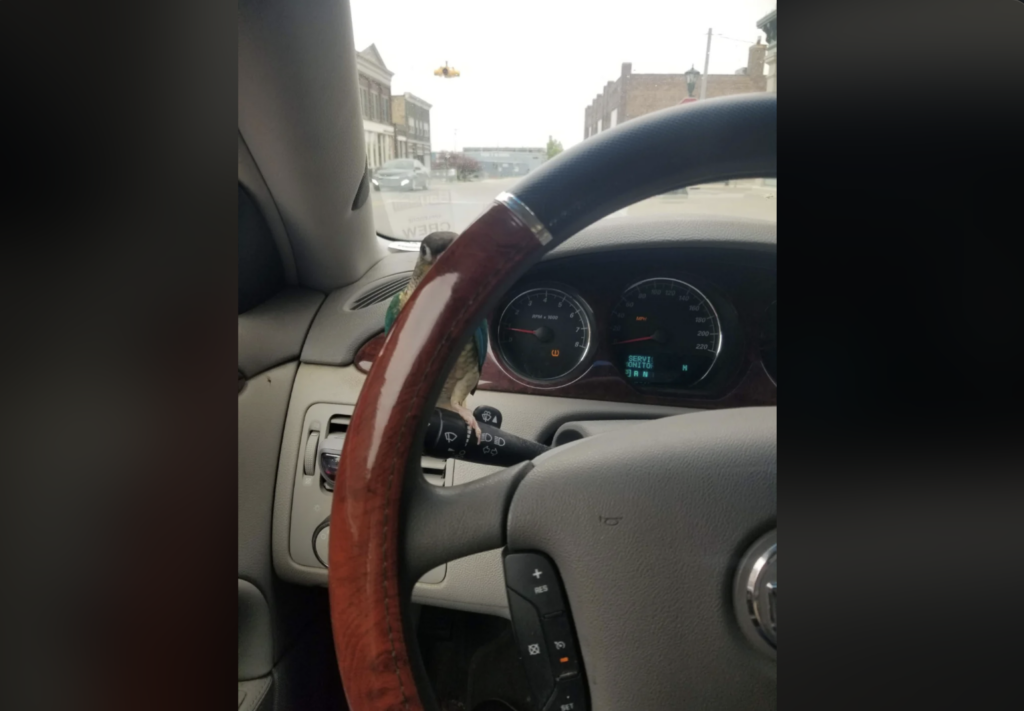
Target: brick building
point(375, 104)
point(411, 116)
point(768, 25)
point(633, 95)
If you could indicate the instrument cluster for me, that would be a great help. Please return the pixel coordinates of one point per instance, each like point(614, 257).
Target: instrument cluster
point(665, 331)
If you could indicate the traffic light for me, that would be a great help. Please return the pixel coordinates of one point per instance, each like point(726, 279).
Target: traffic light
point(446, 72)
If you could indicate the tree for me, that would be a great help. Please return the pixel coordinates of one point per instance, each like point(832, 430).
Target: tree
point(465, 166)
point(554, 147)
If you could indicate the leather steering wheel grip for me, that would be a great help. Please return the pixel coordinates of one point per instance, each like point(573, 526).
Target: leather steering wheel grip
point(706, 141)
point(718, 139)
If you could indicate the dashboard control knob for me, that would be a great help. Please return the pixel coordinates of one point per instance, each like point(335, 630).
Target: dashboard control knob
point(321, 537)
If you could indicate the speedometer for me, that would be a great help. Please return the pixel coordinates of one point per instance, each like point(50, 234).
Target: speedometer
point(665, 332)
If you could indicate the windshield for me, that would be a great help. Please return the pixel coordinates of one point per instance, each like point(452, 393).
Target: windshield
point(403, 164)
point(482, 96)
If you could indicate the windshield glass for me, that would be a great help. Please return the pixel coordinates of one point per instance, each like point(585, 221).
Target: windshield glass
point(402, 164)
point(482, 96)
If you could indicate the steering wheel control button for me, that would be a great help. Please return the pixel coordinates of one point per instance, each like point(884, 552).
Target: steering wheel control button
point(564, 659)
point(533, 576)
point(568, 696)
point(533, 649)
point(756, 593)
point(544, 631)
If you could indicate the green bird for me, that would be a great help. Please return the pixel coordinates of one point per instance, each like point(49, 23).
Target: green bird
point(465, 376)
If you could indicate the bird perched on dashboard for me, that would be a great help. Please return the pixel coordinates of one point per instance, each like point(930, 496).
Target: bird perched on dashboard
point(465, 375)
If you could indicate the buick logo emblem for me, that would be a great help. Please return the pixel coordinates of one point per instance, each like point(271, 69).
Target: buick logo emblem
point(757, 583)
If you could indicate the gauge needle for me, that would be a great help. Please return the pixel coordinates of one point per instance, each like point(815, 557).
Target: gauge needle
point(543, 334)
point(634, 340)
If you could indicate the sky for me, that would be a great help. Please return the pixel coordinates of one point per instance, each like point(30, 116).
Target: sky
point(530, 67)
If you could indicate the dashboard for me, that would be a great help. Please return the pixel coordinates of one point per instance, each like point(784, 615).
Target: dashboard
point(690, 301)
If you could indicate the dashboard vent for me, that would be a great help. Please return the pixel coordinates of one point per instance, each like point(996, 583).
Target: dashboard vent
point(381, 292)
point(338, 424)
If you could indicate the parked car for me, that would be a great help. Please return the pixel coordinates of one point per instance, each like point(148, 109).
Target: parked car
point(401, 174)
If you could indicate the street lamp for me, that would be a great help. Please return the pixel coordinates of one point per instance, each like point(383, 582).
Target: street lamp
point(691, 75)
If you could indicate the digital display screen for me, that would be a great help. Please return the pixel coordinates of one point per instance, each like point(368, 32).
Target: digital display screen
point(640, 362)
point(660, 368)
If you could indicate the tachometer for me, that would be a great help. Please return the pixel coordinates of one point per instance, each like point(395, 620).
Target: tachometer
point(544, 333)
point(665, 332)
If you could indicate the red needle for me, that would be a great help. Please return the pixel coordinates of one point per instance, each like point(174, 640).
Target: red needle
point(634, 340)
point(522, 330)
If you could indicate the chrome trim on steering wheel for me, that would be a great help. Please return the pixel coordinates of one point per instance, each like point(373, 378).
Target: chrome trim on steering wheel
point(525, 215)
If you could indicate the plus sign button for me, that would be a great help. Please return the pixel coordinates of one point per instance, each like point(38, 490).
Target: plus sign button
point(533, 576)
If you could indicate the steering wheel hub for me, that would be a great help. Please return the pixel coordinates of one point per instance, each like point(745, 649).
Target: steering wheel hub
point(651, 595)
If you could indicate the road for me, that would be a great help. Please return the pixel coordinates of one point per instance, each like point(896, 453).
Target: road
point(453, 206)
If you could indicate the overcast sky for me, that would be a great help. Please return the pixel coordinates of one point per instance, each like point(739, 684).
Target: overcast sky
point(531, 67)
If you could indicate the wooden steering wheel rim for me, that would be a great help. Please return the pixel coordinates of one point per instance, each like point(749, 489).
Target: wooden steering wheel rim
point(363, 560)
point(638, 159)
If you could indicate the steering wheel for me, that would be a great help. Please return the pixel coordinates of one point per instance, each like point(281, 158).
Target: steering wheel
point(670, 605)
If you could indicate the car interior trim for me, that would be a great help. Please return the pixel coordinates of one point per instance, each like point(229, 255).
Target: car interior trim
point(525, 214)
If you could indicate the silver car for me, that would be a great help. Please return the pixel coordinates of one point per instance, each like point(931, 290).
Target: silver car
point(401, 174)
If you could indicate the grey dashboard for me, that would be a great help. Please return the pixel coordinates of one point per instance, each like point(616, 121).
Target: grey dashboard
point(327, 385)
point(342, 325)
